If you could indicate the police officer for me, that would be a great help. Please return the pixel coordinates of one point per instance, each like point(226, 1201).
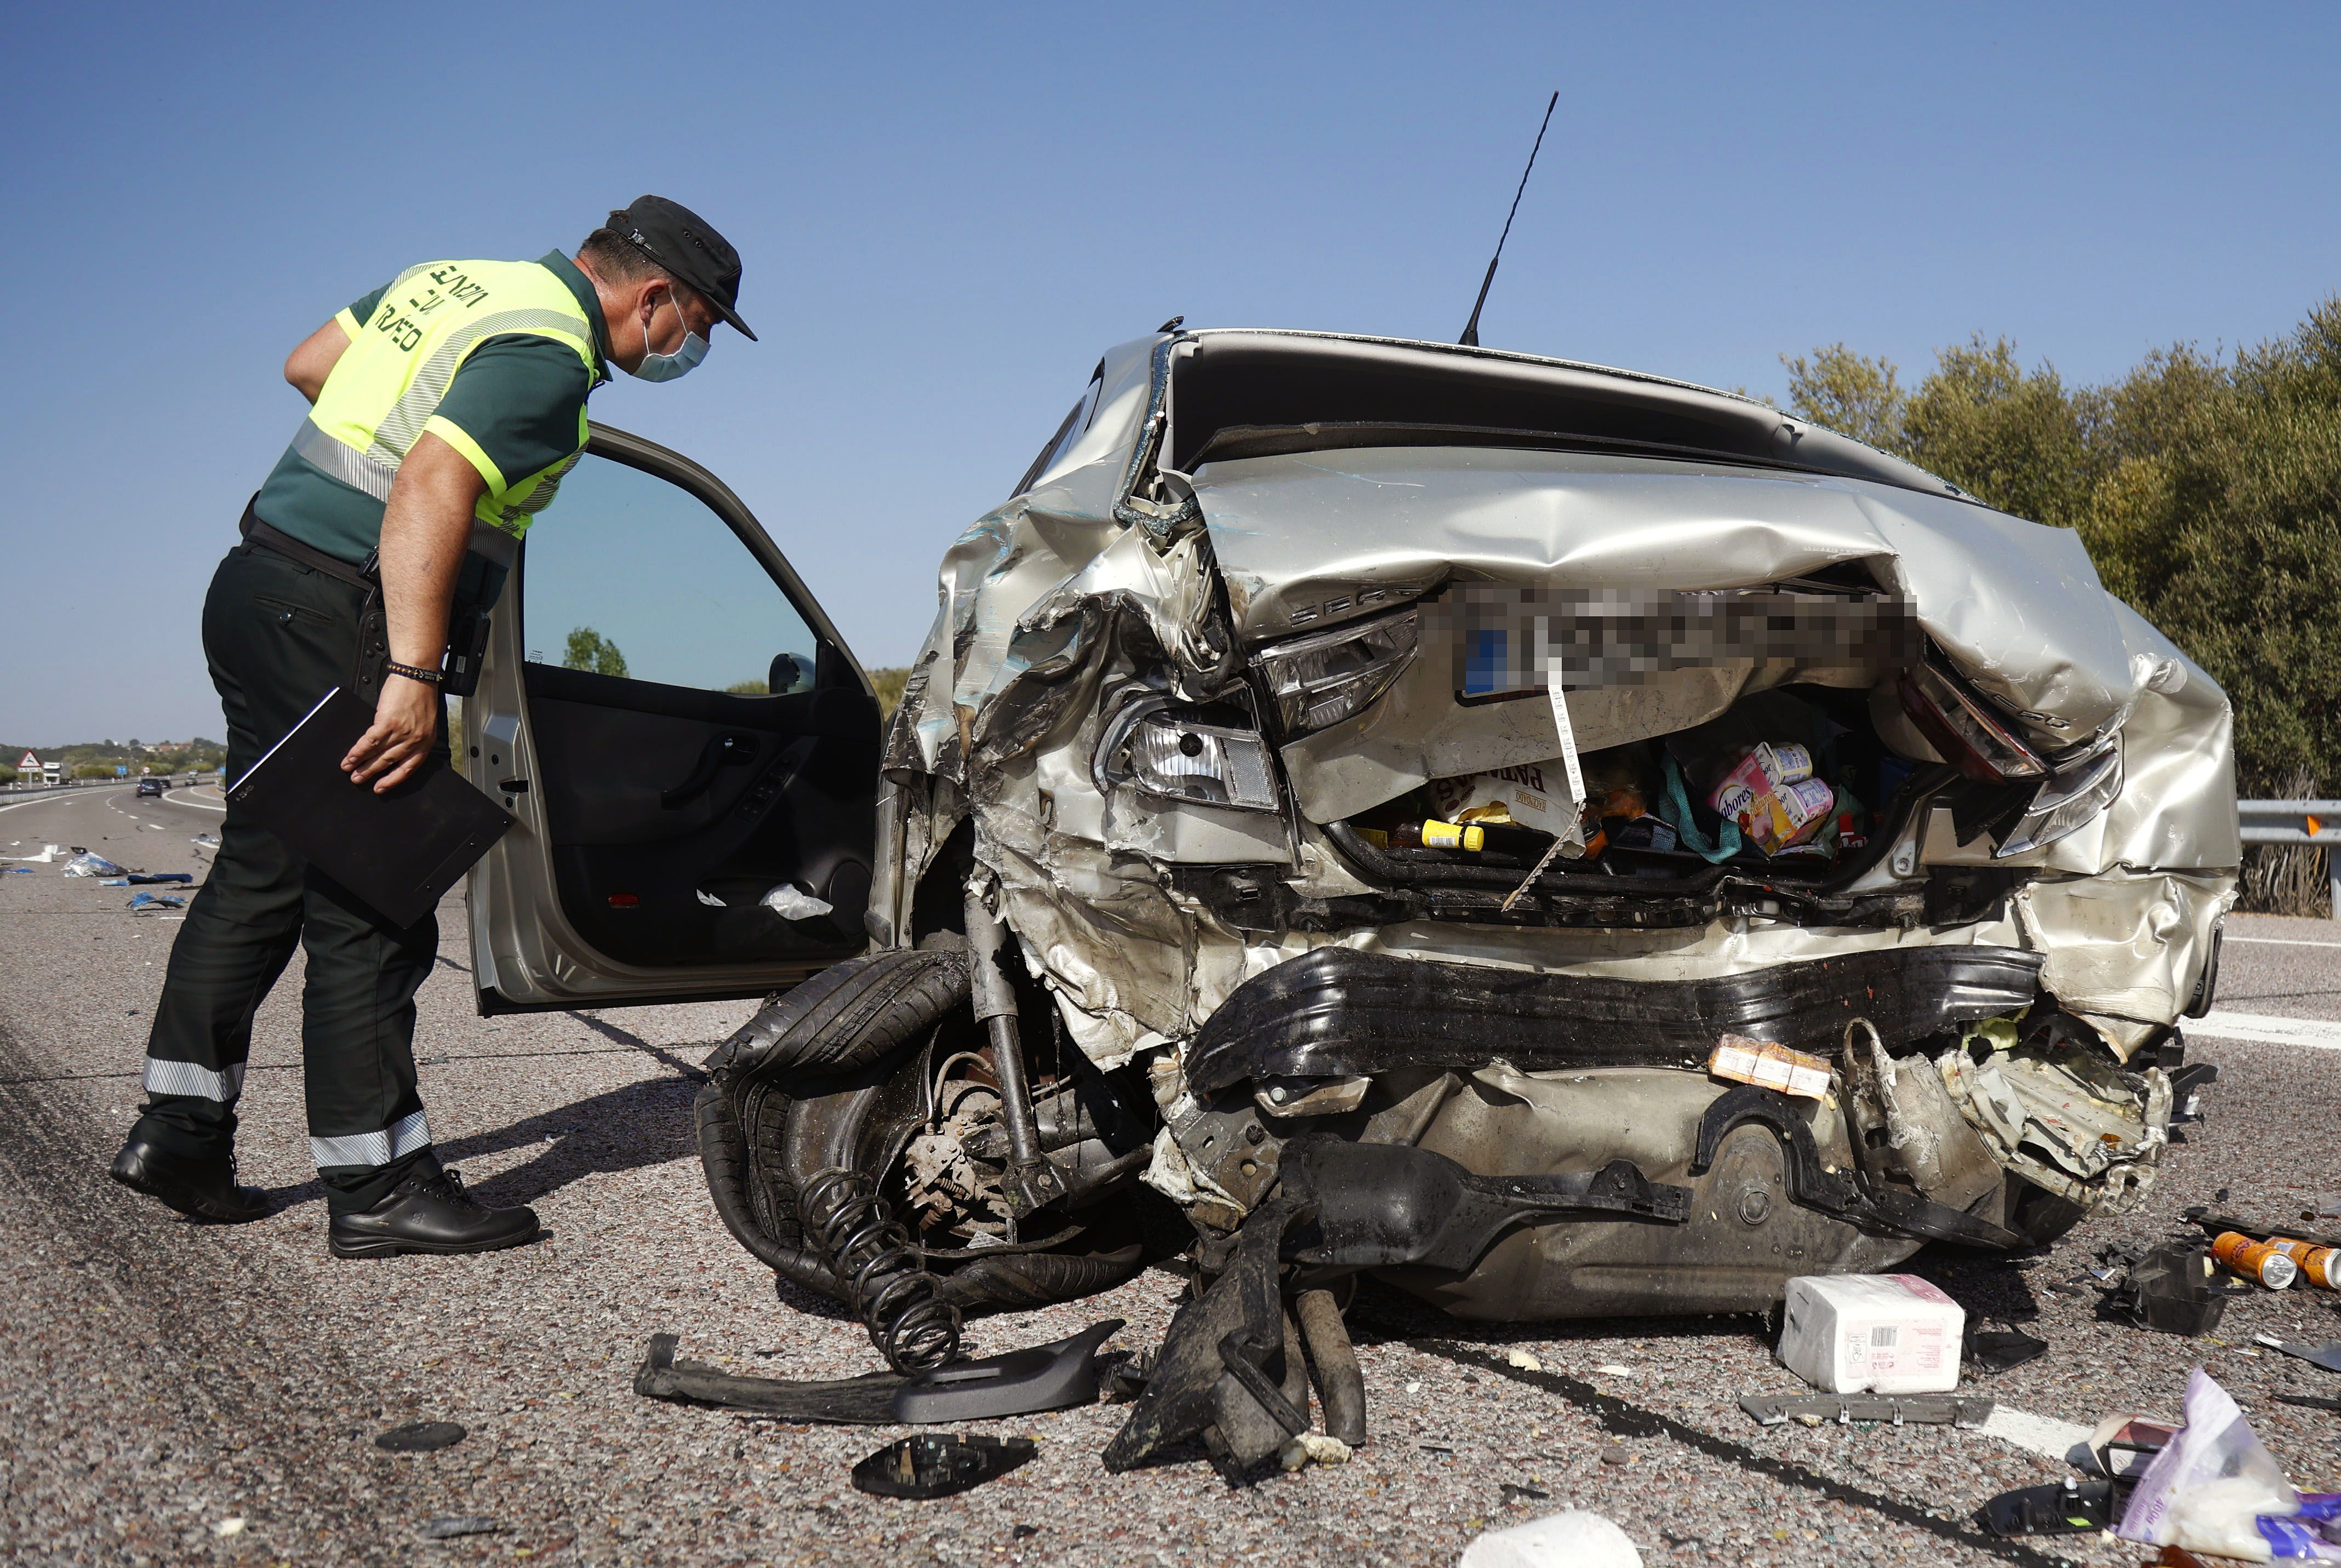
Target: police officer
point(445, 406)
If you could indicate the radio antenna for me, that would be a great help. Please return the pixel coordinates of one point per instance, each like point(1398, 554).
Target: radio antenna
point(1471, 337)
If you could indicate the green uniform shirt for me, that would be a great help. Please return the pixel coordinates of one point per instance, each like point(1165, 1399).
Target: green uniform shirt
point(517, 396)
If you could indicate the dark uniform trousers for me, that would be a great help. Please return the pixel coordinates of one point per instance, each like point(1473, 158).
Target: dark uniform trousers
point(278, 634)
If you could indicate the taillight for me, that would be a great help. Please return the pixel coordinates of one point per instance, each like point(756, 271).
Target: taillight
point(2066, 801)
point(1175, 754)
point(1321, 680)
point(1971, 736)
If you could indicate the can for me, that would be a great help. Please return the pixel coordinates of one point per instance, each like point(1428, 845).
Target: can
point(2319, 1265)
point(2264, 1261)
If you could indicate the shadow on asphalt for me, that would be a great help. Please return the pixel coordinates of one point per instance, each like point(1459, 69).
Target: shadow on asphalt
point(644, 1124)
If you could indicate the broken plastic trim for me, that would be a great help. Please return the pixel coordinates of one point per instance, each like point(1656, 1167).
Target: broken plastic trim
point(1060, 1375)
point(1844, 1409)
point(1390, 1205)
point(1338, 1012)
point(1847, 1197)
point(939, 1465)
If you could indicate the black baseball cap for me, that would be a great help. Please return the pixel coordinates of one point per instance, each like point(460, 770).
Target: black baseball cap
point(692, 253)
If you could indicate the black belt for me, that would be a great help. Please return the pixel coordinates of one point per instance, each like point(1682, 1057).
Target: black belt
point(367, 575)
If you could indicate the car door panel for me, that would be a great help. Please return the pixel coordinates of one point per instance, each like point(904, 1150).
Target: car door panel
point(656, 815)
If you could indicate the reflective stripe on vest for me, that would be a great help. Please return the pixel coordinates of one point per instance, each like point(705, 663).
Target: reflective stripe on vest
point(389, 381)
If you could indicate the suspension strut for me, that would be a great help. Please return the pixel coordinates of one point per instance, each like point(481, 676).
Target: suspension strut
point(1031, 1180)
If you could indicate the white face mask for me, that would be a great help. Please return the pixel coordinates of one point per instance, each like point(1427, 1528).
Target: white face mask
point(658, 367)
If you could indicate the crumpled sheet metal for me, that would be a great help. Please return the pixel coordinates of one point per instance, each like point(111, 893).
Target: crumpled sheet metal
point(2016, 605)
point(2042, 1122)
point(1039, 597)
point(2123, 948)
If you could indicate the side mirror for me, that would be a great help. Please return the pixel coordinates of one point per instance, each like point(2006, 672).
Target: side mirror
point(789, 672)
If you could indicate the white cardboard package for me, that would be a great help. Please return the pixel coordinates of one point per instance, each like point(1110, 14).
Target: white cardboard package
point(1871, 1333)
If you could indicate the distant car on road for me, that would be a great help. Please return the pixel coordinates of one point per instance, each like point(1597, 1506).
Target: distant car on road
point(154, 787)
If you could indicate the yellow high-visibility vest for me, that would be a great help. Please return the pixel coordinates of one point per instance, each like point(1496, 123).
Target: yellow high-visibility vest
point(383, 392)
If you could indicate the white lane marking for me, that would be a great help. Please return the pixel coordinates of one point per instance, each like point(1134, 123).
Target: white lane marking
point(2034, 1433)
point(2282, 942)
point(178, 797)
point(2320, 1034)
point(68, 795)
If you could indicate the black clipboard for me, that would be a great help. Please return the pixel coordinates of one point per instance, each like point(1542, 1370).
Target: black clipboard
point(399, 852)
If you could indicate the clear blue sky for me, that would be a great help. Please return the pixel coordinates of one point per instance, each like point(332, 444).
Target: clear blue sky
point(947, 212)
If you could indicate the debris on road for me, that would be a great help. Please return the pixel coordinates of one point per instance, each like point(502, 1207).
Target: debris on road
point(2169, 1290)
point(1996, 1350)
point(2211, 1484)
point(1844, 1409)
point(1524, 1361)
point(1312, 1448)
point(229, 1526)
point(447, 1529)
point(2328, 1356)
point(2070, 1507)
point(138, 878)
point(48, 852)
point(154, 901)
point(1871, 1333)
point(2262, 1262)
point(939, 1465)
point(421, 1438)
point(84, 864)
point(1061, 1375)
point(1573, 1538)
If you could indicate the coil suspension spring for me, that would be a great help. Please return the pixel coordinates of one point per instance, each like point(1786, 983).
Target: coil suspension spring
point(887, 1284)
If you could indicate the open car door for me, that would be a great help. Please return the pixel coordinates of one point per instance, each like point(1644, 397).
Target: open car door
point(690, 748)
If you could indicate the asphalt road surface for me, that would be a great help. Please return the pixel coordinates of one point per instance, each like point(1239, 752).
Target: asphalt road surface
point(172, 1393)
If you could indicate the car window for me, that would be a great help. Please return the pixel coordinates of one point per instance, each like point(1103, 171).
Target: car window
point(1076, 425)
point(628, 574)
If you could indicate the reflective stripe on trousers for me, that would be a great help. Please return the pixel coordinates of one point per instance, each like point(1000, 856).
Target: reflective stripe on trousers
point(187, 1078)
point(401, 1138)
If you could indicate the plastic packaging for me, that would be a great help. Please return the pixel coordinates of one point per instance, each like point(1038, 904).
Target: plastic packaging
point(1773, 797)
point(1769, 1065)
point(1871, 1333)
point(789, 903)
point(2211, 1484)
point(2263, 1261)
point(2307, 1535)
point(1533, 795)
point(88, 865)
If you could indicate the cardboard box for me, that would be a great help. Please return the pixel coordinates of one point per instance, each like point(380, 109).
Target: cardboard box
point(1871, 1333)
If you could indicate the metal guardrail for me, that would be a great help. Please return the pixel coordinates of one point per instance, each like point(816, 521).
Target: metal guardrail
point(2316, 823)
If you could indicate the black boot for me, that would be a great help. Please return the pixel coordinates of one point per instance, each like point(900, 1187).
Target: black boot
point(430, 1212)
point(202, 1189)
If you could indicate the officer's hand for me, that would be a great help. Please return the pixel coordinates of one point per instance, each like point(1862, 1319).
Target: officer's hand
point(405, 724)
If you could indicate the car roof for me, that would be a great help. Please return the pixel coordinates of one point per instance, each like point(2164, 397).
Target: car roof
point(1250, 392)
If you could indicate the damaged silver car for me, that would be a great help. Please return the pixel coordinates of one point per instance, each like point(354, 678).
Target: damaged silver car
point(1559, 841)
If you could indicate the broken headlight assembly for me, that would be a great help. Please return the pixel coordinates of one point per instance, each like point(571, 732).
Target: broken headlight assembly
point(2067, 801)
point(1321, 680)
point(1203, 757)
point(1976, 740)
point(1964, 727)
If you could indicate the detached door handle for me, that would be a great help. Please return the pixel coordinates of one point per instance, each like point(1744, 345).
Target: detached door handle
point(722, 752)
